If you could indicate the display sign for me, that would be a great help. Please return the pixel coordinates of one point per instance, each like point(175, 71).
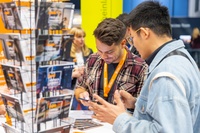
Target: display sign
point(93, 12)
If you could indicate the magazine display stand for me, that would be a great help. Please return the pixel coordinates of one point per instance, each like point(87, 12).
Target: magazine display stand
point(31, 55)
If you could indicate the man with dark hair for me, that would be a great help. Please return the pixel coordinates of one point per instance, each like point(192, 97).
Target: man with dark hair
point(129, 42)
point(112, 67)
point(169, 101)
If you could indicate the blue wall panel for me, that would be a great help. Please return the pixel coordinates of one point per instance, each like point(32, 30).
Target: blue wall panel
point(177, 8)
point(136, 2)
point(180, 8)
point(127, 6)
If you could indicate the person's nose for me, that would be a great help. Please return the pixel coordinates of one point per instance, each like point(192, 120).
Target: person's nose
point(104, 56)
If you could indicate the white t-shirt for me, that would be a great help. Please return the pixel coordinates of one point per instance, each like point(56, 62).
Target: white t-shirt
point(79, 58)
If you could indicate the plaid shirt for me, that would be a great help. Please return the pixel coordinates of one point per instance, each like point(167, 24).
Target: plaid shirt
point(130, 77)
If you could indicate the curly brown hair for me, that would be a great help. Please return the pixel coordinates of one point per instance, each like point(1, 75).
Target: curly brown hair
point(110, 31)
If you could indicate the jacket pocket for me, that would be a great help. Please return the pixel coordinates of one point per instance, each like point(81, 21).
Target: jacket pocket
point(141, 105)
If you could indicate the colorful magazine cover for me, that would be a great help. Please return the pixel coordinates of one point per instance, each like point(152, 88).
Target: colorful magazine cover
point(10, 129)
point(60, 129)
point(13, 107)
point(10, 16)
point(28, 44)
point(13, 77)
point(55, 15)
point(50, 108)
point(54, 77)
point(27, 14)
point(11, 46)
point(52, 47)
point(66, 40)
point(48, 47)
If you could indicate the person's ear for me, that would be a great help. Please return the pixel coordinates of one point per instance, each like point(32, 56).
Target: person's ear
point(144, 32)
point(123, 42)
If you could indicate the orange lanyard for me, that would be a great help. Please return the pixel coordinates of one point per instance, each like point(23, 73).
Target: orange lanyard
point(107, 86)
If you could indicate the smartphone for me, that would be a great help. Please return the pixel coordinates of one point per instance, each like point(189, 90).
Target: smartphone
point(86, 100)
point(83, 99)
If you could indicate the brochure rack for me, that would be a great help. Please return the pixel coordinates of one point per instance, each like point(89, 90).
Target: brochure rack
point(31, 40)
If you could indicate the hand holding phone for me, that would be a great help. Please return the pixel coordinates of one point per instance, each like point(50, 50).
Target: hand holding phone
point(84, 99)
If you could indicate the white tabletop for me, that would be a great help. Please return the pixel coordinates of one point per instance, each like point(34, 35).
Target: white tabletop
point(79, 114)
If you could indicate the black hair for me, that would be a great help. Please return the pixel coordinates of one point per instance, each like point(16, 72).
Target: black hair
point(152, 15)
point(124, 18)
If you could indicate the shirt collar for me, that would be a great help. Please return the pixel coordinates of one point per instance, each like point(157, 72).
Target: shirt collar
point(151, 57)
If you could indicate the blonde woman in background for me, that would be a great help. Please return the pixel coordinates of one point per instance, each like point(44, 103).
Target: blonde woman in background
point(195, 32)
point(195, 44)
point(77, 52)
point(195, 40)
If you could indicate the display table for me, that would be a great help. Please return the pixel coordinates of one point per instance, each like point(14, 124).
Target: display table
point(79, 114)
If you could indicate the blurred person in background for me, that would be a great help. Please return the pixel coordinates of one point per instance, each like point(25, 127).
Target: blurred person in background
point(129, 42)
point(195, 39)
point(77, 52)
point(195, 45)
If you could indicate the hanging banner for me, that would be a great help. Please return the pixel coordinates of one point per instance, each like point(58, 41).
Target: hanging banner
point(93, 12)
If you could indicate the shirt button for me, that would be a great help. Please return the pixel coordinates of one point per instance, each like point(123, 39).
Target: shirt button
point(142, 108)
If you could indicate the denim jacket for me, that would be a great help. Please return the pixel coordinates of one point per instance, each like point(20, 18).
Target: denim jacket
point(163, 108)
